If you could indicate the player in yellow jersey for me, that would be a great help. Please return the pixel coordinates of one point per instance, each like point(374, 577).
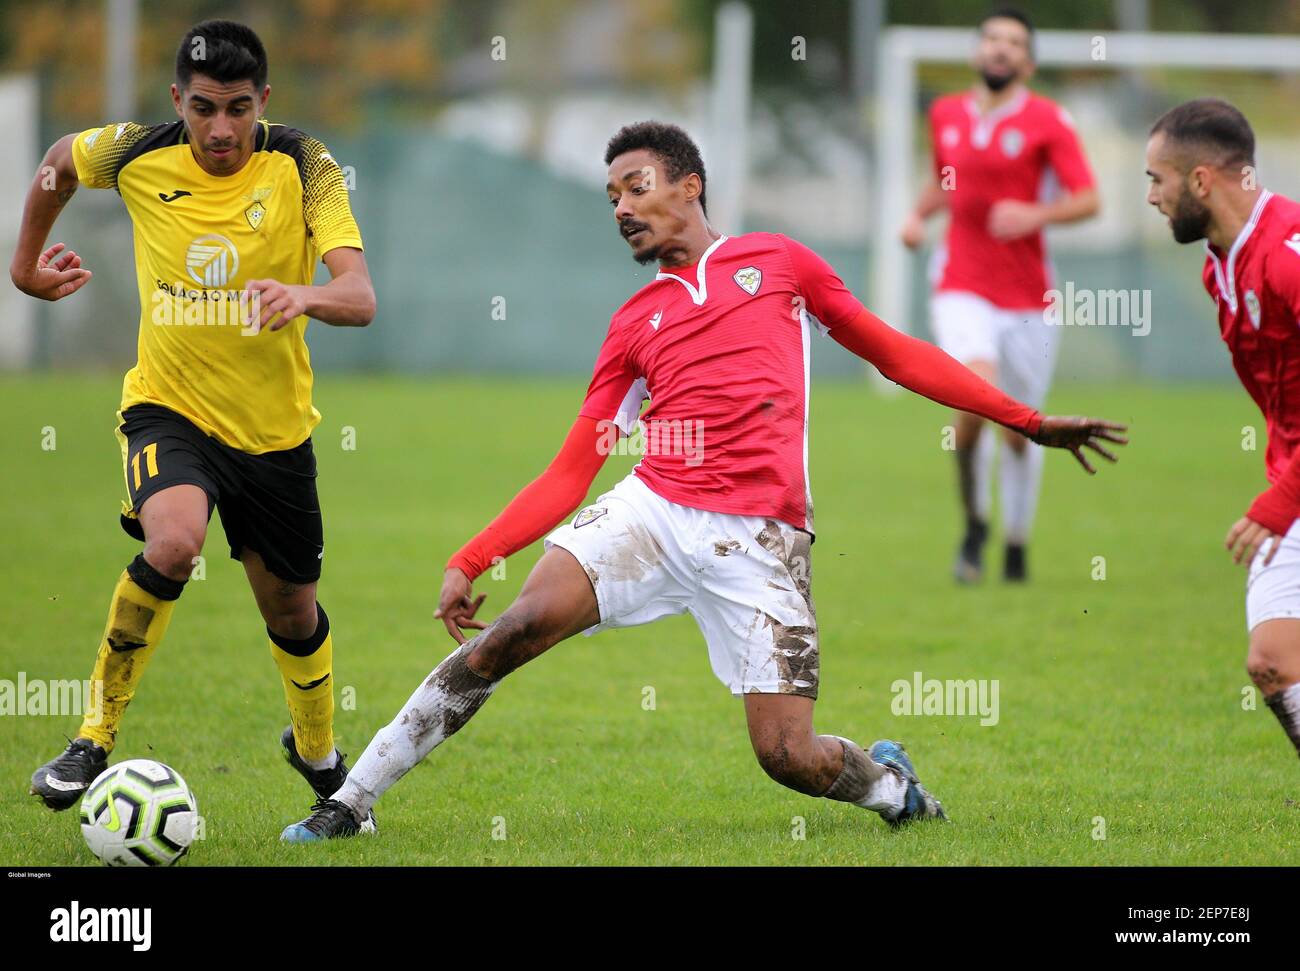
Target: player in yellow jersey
point(230, 215)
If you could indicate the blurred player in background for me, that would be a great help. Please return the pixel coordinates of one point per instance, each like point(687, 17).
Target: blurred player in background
point(1001, 156)
point(1201, 162)
point(217, 411)
point(716, 519)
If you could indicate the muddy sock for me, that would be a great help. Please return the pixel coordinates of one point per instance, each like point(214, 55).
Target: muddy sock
point(866, 783)
point(446, 701)
point(1286, 705)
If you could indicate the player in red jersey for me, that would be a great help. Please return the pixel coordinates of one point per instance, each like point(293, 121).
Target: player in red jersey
point(716, 520)
point(1002, 156)
point(1201, 161)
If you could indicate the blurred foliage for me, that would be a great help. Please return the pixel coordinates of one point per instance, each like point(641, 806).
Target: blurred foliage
point(350, 64)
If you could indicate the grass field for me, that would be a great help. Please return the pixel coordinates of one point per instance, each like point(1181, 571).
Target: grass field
point(1119, 698)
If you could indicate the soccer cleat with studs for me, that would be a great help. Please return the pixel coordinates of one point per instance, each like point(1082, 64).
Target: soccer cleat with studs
point(917, 802)
point(324, 782)
point(329, 819)
point(63, 780)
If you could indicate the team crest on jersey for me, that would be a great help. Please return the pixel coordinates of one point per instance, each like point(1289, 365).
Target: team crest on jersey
point(1012, 141)
point(256, 212)
point(749, 279)
point(950, 136)
point(588, 515)
point(212, 260)
point(1252, 308)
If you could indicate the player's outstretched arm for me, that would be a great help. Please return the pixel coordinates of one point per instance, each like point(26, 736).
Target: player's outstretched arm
point(928, 371)
point(538, 509)
point(56, 272)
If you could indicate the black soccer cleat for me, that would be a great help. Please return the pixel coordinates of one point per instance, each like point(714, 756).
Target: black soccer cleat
point(324, 782)
point(329, 819)
point(969, 567)
point(1014, 567)
point(62, 781)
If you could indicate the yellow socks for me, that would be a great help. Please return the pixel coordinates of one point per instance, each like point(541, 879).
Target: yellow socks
point(142, 606)
point(306, 668)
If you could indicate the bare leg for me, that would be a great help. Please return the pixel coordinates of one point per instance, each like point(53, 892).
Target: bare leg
point(781, 731)
point(557, 601)
point(1274, 666)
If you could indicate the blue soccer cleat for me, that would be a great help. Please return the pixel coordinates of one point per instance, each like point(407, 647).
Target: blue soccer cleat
point(917, 802)
point(330, 819)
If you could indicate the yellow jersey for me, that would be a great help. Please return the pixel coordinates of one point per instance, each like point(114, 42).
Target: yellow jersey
point(198, 239)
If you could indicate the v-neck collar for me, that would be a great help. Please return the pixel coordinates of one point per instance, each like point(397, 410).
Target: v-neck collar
point(699, 291)
point(1225, 271)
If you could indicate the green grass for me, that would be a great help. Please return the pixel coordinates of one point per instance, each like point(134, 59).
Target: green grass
point(1119, 698)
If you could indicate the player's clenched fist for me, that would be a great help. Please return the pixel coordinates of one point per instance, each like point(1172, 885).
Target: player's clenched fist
point(1076, 434)
point(455, 607)
point(55, 275)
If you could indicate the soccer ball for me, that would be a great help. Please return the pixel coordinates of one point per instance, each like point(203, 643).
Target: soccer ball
point(139, 813)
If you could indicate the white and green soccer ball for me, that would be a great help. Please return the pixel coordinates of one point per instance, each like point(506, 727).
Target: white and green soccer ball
point(139, 813)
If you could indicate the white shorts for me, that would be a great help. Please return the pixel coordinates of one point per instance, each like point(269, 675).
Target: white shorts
point(1273, 591)
point(745, 579)
point(1021, 343)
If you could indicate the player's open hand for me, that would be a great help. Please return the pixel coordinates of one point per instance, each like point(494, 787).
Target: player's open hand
point(56, 275)
point(274, 297)
point(1247, 537)
point(1076, 434)
point(455, 608)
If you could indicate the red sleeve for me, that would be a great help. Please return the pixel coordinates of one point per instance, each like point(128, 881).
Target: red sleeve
point(545, 501)
point(1065, 155)
point(611, 378)
point(825, 294)
point(928, 371)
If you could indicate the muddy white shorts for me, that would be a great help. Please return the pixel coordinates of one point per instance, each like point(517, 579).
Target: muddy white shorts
point(1021, 343)
point(745, 579)
point(1273, 591)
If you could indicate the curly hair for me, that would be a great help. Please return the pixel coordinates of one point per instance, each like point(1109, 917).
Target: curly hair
point(670, 144)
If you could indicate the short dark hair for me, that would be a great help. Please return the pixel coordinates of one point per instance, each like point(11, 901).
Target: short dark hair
point(222, 50)
point(1208, 130)
point(1009, 13)
point(670, 144)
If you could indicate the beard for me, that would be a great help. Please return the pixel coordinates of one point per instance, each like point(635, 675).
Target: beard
point(1189, 219)
point(996, 82)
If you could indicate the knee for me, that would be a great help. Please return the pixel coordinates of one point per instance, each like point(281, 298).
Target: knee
point(506, 644)
point(173, 552)
point(1264, 670)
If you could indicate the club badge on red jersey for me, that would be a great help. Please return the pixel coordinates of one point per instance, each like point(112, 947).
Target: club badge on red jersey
point(749, 279)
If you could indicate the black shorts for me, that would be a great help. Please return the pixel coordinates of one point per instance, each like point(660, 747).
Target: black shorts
point(267, 502)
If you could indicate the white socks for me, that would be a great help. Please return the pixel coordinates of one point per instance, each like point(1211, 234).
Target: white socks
point(866, 783)
point(436, 711)
point(1020, 475)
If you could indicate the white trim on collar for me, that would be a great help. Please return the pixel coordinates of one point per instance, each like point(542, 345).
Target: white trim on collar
point(1228, 287)
point(981, 130)
point(701, 293)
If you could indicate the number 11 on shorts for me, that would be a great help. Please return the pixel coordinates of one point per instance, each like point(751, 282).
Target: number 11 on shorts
point(151, 462)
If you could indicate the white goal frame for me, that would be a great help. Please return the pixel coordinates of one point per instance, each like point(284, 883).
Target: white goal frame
point(902, 49)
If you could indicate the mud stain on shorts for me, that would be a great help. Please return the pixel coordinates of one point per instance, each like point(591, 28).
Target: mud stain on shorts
point(725, 547)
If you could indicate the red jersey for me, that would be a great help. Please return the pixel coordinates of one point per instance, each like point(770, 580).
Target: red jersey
point(1025, 150)
point(1256, 287)
point(721, 349)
